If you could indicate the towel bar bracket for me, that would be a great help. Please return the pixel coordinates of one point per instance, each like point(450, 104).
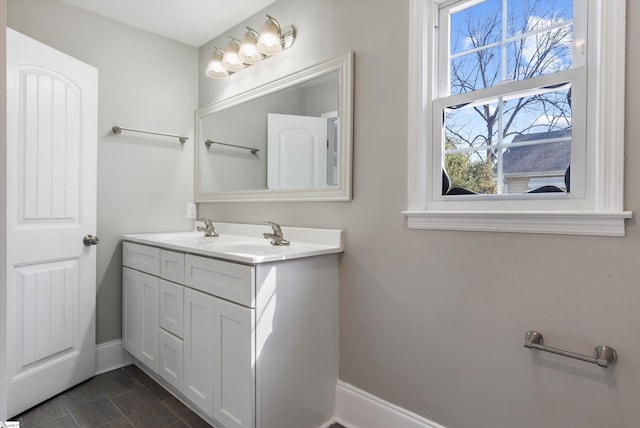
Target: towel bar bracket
point(603, 355)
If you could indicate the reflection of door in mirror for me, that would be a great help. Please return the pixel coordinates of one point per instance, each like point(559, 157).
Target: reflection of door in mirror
point(333, 122)
point(296, 151)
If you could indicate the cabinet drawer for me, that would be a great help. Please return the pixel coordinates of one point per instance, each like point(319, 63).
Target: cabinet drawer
point(141, 257)
point(172, 307)
point(172, 266)
point(230, 281)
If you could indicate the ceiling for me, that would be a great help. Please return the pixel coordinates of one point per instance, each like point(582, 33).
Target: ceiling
point(193, 22)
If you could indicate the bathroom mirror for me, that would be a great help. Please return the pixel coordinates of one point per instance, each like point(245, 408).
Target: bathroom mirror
point(290, 139)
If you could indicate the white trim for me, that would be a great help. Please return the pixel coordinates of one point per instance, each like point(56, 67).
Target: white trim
point(599, 213)
point(111, 356)
point(356, 408)
point(420, 71)
point(555, 223)
point(609, 51)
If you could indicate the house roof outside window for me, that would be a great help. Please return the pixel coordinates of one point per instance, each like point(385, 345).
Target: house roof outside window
point(550, 158)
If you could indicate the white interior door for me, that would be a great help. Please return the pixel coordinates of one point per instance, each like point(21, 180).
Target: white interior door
point(296, 151)
point(51, 206)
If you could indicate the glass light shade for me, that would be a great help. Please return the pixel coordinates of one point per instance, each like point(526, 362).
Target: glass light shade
point(215, 68)
point(269, 42)
point(248, 52)
point(230, 60)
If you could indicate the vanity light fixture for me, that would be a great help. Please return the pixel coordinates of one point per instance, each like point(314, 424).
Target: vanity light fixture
point(215, 68)
point(248, 52)
point(253, 49)
point(230, 60)
point(270, 37)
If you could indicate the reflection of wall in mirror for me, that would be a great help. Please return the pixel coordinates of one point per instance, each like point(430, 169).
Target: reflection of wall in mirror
point(225, 169)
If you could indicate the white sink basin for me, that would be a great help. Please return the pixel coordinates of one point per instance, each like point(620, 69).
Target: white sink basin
point(244, 243)
point(194, 238)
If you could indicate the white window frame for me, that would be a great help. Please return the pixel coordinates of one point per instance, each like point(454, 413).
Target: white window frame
point(599, 211)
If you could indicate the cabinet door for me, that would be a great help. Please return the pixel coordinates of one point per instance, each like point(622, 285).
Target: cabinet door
point(140, 316)
point(171, 361)
point(218, 358)
point(131, 315)
point(150, 321)
point(199, 316)
point(233, 362)
point(171, 307)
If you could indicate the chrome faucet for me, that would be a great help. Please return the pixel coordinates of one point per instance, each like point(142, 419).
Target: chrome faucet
point(276, 237)
point(208, 228)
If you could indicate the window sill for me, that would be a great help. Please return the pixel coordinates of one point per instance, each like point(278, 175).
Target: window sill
point(547, 222)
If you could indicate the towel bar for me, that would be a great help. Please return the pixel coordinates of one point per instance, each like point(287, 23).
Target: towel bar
point(253, 150)
point(118, 129)
point(603, 355)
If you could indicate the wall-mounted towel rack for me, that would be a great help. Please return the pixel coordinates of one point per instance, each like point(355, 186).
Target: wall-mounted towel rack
point(253, 150)
point(603, 355)
point(118, 129)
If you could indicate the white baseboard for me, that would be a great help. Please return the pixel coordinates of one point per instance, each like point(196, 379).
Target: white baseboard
point(356, 408)
point(111, 356)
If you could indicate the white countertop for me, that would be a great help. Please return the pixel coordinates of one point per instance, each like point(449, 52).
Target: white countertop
point(244, 243)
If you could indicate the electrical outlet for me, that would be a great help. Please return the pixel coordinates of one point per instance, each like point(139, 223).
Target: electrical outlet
point(192, 212)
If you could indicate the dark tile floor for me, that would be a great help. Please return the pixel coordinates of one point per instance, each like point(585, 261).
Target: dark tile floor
point(121, 398)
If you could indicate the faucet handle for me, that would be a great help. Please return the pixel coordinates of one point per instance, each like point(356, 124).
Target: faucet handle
point(275, 226)
point(207, 221)
point(208, 229)
point(277, 238)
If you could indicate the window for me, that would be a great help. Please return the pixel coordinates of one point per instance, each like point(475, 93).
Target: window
point(510, 104)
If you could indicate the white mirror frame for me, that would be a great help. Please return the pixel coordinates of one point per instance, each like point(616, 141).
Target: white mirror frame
point(341, 192)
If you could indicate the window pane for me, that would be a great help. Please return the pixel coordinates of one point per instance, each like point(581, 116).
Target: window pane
point(518, 143)
point(535, 40)
point(477, 70)
point(527, 16)
point(531, 168)
point(535, 115)
point(471, 171)
point(476, 26)
point(539, 54)
point(471, 126)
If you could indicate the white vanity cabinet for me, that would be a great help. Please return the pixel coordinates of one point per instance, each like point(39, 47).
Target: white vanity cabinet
point(247, 345)
point(140, 303)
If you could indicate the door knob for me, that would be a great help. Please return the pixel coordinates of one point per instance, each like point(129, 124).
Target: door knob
point(89, 240)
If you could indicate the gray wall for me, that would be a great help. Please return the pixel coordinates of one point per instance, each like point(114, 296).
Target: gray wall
point(434, 321)
point(145, 82)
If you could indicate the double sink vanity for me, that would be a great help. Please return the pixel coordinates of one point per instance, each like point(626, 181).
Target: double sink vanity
point(243, 331)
